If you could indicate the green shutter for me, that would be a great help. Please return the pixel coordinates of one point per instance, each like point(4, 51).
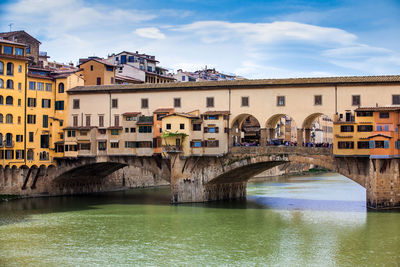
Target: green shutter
point(386, 144)
point(371, 144)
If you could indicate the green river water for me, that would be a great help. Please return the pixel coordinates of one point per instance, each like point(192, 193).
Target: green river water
point(316, 220)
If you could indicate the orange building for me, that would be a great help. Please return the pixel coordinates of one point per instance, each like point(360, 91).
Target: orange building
point(97, 71)
point(157, 127)
point(384, 141)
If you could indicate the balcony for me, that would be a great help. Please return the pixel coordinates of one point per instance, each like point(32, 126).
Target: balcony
point(172, 149)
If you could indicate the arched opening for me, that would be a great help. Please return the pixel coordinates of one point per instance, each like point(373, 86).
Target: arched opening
point(10, 84)
point(1, 100)
point(9, 118)
point(9, 141)
point(9, 100)
point(281, 129)
point(1, 83)
point(245, 131)
point(10, 68)
point(61, 87)
point(1, 118)
point(30, 154)
point(318, 130)
point(1, 67)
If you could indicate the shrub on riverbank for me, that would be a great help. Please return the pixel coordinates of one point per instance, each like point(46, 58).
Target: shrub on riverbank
point(8, 197)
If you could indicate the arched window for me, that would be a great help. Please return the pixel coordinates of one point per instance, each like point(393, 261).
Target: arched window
point(9, 100)
point(1, 67)
point(10, 68)
point(1, 83)
point(1, 118)
point(61, 88)
point(1, 139)
point(29, 154)
point(1, 100)
point(9, 118)
point(10, 84)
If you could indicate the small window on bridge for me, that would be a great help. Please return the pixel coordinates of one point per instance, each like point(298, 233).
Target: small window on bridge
point(347, 128)
point(346, 145)
point(364, 113)
point(280, 101)
point(364, 128)
point(363, 144)
point(318, 100)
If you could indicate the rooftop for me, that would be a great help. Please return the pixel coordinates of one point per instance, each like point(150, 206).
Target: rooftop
point(378, 109)
point(261, 83)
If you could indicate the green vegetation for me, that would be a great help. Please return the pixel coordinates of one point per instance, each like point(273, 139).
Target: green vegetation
point(8, 197)
point(169, 134)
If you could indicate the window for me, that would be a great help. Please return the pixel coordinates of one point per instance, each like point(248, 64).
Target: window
point(46, 103)
point(114, 132)
point(40, 86)
point(318, 100)
point(1, 100)
point(19, 102)
point(1, 83)
point(133, 130)
point(116, 120)
point(182, 126)
point(196, 143)
point(19, 86)
point(381, 144)
point(145, 129)
point(19, 68)
point(280, 101)
point(75, 120)
point(356, 100)
point(114, 144)
point(49, 87)
point(101, 120)
point(383, 115)
point(10, 84)
point(10, 69)
point(98, 81)
point(91, 67)
point(31, 119)
point(9, 100)
point(19, 119)
point(183, 78)
point(19, 154)
point(1, 66)
point(245, 101)
point(8, 50)
point(126, 130)
point(76, 104)
point(395, 99)
point(102, 145)
point(363, 144)
point(71, 133)
point(31, 137)
point(1, 121)
point(32, 85)
point(87, 120)
point(168, 126)
point(386, 127)
point(44, 141)
point(196, 127)
point(114, 103)
point(19, 51)
point(211, 143)
point(19, 138)
point(210, 102)
point(131, 58)
point(9, 118)
point(83, 133)
point(177, 102)
point(364, 128)
point(364, 113)
point(346, 145)
point(45, 121)
point(59, 105)
point(145, 103)
point(28, 49)
point(347, 128)
point(61, 88)
point(84, 146)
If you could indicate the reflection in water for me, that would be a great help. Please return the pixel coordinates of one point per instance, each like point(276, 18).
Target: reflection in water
point(317, 220)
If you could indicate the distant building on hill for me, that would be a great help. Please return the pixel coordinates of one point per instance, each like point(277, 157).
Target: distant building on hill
point(204, 75)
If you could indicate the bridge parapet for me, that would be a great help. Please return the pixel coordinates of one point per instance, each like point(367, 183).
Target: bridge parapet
point(274, 150)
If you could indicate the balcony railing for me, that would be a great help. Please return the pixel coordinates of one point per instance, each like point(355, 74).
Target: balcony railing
point(172, 149)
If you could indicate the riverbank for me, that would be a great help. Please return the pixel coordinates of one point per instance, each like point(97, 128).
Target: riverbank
point(8, 197)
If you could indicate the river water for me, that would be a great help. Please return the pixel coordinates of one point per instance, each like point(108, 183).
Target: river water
point(299, 221)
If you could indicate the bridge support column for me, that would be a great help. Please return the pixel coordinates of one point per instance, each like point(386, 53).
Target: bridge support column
point(300, 139)
point(271, 132)
point(307, 133)
point(383, 184)
point(189, 177)
point(263, 136)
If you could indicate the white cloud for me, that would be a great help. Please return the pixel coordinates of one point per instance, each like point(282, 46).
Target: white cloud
point(150, 32)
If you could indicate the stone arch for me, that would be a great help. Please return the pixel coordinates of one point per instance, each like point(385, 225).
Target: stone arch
point(318, 132)
point(246, 130)
point(281, 128)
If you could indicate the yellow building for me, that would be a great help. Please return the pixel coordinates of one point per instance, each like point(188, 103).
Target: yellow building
point(351, 136)
point(13, 65)
point(97, 71)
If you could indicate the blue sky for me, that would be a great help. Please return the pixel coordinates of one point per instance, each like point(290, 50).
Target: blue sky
point(255, 39)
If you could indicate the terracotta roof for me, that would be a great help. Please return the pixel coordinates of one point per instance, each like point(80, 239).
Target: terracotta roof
point(186, 115)
point(240, 84)
point(40, 76)
point(378, 109)
point(126, 78)
point(144, 123)
point(114, 128)
point(163, 110)
point(79, 128)
point(225, 112)
point(102, 61)
point(376, 135)
point(131, 113)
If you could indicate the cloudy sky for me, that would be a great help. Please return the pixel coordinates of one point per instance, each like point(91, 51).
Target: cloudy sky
point(254, 39)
